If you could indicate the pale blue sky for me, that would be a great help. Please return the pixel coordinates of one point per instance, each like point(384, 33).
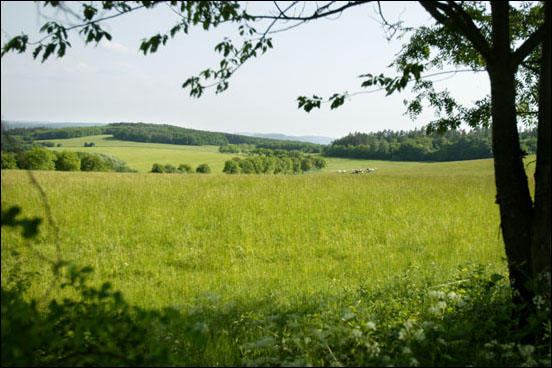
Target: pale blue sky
point(114, 82)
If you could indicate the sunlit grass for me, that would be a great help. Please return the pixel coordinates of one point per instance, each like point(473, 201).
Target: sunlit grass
point(141, 156)
point(164, 240)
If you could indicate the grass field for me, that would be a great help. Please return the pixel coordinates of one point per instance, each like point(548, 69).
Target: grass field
point(248, 250)
point(141, 157)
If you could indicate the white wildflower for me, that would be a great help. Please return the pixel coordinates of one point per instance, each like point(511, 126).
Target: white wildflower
point(538, 301)
point(414, 362)
point(436, 294)
point(526, 350)
point(406, 350)
point(372, 349)
point(371, 326)
point(419, 336)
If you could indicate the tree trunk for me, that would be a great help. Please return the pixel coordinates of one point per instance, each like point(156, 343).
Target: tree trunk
point(513, 197)
point(540, 241)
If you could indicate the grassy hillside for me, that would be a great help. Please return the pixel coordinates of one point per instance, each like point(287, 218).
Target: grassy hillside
point(141, 156)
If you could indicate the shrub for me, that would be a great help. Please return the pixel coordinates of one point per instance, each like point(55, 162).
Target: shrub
point(68, 161)
point(8, 161)
point(114, 163)
point(203, 169)
point(231, 167)
point(170, 169)
point(39, 159)
point(185, 169)
point(93, 163)
point(157, 168)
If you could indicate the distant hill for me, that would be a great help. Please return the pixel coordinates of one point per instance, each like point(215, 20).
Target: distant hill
point(155, 133)
point(45, 124)
point(304, 138)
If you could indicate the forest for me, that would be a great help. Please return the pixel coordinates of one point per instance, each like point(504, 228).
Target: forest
point(417, 145)
point(154, 133)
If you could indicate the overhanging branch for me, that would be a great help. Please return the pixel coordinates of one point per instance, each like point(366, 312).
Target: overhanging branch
point(452, 15)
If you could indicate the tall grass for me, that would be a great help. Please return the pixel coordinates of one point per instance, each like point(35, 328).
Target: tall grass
point(314, 269)
point(172, 238)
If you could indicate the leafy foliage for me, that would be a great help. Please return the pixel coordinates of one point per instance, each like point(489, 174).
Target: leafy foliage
point(38, 159)
point(8, 161)
point(203, 169)
point(67, 161)
point(170, 169)
point(29, 227)
point(266, 161)
point(91, 162)
point(97, 328)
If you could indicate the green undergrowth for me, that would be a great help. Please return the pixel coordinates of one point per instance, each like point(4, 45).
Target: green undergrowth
point(466, 322)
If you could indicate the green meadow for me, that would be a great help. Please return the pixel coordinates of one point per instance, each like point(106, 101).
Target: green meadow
point(141, 156)
point(314, 269)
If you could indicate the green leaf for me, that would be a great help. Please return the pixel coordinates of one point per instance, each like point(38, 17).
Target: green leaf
point(89, 11)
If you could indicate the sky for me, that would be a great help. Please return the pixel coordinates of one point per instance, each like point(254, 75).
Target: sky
point(114, 82)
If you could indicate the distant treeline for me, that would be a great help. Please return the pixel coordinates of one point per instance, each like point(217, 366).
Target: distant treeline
point(267, 161)
point(157, 133)
point(416, 145)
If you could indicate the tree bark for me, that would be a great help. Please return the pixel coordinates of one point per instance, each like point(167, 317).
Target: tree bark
point(540, 241)
point(513, 197)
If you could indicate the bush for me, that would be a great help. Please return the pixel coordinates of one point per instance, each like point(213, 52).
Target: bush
point(185, 169)
point(170, 169)
point(114, 163)
point(157, 168)
point(231, 167)
point(203, 169)
point(39, 159)
point(8, 161)
point(68, 161)
point(93, 163)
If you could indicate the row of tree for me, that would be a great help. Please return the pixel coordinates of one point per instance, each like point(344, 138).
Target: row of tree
point(417, 145)
point(181, 169)
point(274, 162)
point(39, 158)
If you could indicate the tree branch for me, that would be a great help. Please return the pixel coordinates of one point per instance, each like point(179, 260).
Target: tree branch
point(452, 15)
point(315, 15)
point(528, 46)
